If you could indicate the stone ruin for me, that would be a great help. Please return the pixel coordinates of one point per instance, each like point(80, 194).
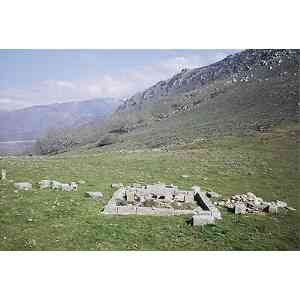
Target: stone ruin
point(162, 200)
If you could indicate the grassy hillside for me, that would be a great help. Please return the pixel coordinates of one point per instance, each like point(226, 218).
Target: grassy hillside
point(249, 91)
point(266, 163)
point(221, 107)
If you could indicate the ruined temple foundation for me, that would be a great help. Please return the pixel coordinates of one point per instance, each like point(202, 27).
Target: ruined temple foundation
point(166, 200)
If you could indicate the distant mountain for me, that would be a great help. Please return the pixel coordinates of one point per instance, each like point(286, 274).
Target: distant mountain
point(30, 123)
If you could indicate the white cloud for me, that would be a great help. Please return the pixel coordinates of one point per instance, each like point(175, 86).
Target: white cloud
point(120, 85)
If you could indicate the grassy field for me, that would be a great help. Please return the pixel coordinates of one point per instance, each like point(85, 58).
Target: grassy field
point(266, 164)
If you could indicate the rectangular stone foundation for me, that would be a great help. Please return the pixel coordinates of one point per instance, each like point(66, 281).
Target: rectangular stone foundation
point(143, 211)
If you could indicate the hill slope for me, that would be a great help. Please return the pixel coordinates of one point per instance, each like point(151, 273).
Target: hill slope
point(245, 92)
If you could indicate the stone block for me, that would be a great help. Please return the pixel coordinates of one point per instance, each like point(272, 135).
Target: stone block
point(56, 185)
point(181, 212)
point(65, 187)
point(94, 195)
point(273, 209)
point(179, 197)
point(74, 186)
point(189, 197)
point(110, 210)
point(130, 196)
point(281, 204)
point(240, 208)
point(202, 220)
point(45, 184)
point(126, 210)
point(145, 211)
point(23, 186)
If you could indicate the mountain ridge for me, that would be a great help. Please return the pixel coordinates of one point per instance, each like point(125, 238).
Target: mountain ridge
point(31, 122)
point(238, 65)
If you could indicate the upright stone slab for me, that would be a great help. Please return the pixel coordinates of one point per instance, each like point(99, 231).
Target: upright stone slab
point(206, 205)
point(189, 197)
point(3, 174)
point(130, 196)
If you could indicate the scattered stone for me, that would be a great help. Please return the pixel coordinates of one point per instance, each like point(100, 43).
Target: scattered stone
point(56, 185)
point(3, 174)
point(45, 184)
point(250, 203)
point(23, 186)
point(94, 195)
point(65, 187)
point(116, 185)
point(74, 186)
point(185, 176)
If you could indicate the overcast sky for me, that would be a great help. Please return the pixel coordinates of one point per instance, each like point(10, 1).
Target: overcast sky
point(37, 77)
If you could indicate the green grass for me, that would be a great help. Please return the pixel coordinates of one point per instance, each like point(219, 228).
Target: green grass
point(266, 164)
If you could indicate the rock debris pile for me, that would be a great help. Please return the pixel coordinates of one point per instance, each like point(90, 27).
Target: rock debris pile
point(56, 185)
point(250, 203)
